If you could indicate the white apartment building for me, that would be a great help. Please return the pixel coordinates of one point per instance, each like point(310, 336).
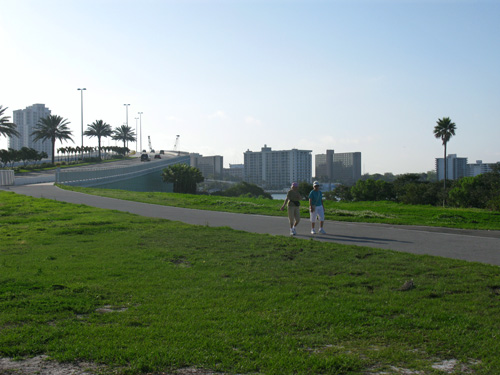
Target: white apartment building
point(276, 170)
point(475, 169)
point(456, 167)
point(26, 120)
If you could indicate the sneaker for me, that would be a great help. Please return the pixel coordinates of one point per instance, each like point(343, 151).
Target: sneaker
point(313, 231)
point(322, 231)
point(292, 232)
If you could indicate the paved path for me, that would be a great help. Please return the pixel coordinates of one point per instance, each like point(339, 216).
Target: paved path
point(477, 246)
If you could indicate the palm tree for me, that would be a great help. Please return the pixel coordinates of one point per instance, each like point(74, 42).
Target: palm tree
point(125, 134)
point(51, 128)
point(61, 150)
point(99, 129)
point(7, 128)
point(444, 130)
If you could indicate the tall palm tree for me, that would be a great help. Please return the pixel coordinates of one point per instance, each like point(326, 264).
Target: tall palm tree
point(7, 128)
point(99, 129)
point(125, 134)
point(51, 128)
point(445, 129)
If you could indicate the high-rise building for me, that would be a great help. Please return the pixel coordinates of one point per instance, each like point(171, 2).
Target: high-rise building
point(324, 166)
point(26, 120)
point(347, 167)
point(277, 169)
point(456, 167)
point(210, 166)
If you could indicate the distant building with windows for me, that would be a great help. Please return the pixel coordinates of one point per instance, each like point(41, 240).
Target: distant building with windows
point(456, 167)
point(26, 120)
point(346, 167)
point(276, 170)
point(235, 172)
point(479, 167)
point(324, 166)
point(210, 166)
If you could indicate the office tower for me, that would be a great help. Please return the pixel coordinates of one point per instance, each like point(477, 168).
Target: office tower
point(210, 166)
point(235, 172)
point(324, 166)
point(347, 167)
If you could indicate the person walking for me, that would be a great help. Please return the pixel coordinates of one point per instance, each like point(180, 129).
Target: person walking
point(316, 208)
point(292, 202)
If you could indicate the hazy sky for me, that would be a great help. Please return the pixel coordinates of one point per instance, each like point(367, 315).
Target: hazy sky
point(227, 76)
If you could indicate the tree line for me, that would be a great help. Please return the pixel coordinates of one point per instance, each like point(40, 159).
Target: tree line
point(31, 157)
point(482, 191)
point(53, 128)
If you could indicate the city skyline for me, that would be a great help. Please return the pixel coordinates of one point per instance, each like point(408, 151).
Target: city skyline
point(352, 76)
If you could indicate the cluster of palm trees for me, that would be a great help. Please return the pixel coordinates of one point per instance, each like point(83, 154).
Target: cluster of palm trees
point(75, 152)
point(53, 127)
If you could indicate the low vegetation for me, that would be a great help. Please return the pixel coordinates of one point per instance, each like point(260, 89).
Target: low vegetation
point(482, 191)
point(370, 212)
point(148, 296)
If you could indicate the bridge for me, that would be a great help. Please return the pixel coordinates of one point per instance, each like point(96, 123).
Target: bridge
point(128, 175)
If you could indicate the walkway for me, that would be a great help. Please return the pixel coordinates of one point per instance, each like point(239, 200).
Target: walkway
point(476, 246)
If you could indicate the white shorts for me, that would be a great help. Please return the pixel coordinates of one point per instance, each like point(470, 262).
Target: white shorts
point(319, 212)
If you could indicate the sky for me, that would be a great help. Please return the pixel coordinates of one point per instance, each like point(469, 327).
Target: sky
point(227, 76)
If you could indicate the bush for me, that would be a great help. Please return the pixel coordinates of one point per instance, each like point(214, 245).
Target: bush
point(482, 191)
point(371, 190)
point(244, 189)
point(183, 177)
point(341, 192)
point(304, 189)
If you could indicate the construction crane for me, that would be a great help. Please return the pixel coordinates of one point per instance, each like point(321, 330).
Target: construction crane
point(176, 143)
point(149, 144)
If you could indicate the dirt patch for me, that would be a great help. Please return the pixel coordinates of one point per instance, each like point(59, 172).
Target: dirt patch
point(41, 365)
point(110, 309)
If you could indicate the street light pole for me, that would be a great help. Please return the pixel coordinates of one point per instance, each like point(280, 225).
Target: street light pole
point(136, 118)
point(126, 107)
point(81, 95)
point(140, 122)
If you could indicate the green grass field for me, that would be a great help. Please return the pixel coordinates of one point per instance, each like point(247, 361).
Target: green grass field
point(368, 212)
point(148, 296)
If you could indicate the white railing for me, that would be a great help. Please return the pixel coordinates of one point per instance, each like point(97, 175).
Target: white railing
point(6, 177)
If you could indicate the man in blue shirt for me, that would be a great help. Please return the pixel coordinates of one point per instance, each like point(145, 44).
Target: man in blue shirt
point(316, 208)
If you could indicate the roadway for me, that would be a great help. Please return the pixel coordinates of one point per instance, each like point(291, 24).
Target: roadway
point(470, 245)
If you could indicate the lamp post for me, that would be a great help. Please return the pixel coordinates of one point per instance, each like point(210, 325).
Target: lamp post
point(140, 123)
point(136, 118)
point(126, 108)
point(81, 95)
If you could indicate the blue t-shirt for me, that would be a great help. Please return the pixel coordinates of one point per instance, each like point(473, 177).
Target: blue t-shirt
point(316, 197)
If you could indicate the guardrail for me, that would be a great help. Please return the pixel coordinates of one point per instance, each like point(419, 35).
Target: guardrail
point(6, 177)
